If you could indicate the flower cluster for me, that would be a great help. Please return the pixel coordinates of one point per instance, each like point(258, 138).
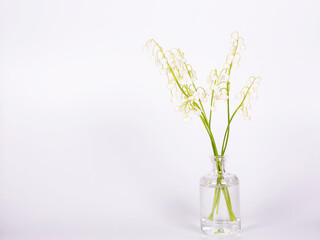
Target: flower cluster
point(234, 56)
point(219, 81)
point(248, 93)
point(181, 78)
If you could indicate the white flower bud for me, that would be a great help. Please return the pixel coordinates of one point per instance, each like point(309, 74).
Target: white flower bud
point(174, 98)
point(218, 96)
point(247, 117)
point(163, 72)
point(236, 65)
point(185, 73)
point(182, 61)
point(213, 108)
point(179, 109)
point(170, 85)
point(225, 77)
point(224, 97)
point(258, 80)
point(164, 61)
point(238, 95)
point(186, 118)
point(230, 58)
point(215, 77)
point(194, 78)
point(255, 96)
point(204, 97)
point(221, 96)
point(209, 92)
point(151, 58)
point(243, 47)
point(235, 36)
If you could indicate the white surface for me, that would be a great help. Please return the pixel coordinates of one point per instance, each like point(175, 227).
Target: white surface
point(92, 149)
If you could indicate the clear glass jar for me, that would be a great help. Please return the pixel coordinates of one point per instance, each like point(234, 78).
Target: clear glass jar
point(219, 200)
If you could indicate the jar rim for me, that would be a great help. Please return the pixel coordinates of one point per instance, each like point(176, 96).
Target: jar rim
point(218, 158)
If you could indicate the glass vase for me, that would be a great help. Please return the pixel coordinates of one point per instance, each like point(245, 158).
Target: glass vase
point(219, 200)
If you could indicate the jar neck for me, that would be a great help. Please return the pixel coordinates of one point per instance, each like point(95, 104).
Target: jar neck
point(218, 164)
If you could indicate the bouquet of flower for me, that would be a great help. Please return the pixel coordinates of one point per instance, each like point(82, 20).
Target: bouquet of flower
point(182, 84)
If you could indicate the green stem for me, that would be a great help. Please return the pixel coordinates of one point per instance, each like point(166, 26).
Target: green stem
point(212, 95)
point(213, 144)
point(225, 192)
point(218, 200)
point(214, 204)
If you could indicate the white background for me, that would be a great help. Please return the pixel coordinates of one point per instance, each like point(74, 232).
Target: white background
point(91, 147)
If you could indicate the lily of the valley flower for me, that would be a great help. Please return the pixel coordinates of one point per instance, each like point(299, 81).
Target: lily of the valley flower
point(182, 79)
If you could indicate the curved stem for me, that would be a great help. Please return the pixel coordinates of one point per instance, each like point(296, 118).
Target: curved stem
point(210, 109)
point(213, 144)
point(226, 138)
